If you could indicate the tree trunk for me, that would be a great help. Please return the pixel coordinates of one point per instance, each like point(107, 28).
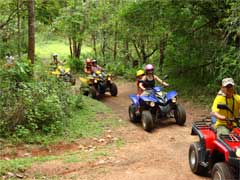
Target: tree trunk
point(161, 57)
point(70, 46)
point(137, 51)
point(115, 42)
point(94, 43)
point(74, 48)
point(143, 53)
point(19, 28)
point(104, 45)
point(127, 50)
point(31, 31)
point(80, 48)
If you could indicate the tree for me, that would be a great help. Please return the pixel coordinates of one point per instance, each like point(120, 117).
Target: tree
point(143, 21)
point(31, 31)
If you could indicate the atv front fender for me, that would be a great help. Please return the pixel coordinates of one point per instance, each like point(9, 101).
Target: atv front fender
point(171, 94)
point(135, 99)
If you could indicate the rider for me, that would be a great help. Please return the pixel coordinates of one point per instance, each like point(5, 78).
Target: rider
point(95, 66)
point(226, 96)
point(10, 60)
point(148, 80)
point(55, 60)
point(88, 66)
point(139, 75)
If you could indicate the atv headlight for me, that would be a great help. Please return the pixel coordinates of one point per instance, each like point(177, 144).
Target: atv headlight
point(174, 100)
point(95, 80)
point(152, 104)
point(238, 152)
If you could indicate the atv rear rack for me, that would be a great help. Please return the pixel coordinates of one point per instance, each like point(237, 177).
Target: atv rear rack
point(203, 124)
point(231, 137)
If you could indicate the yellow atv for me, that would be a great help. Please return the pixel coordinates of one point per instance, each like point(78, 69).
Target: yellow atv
point(64, 73)
point(98, 84)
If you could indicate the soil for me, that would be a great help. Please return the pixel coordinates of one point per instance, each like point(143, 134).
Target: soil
point(161, 154)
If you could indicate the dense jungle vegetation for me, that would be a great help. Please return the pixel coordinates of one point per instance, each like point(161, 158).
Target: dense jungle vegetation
point(195, 42)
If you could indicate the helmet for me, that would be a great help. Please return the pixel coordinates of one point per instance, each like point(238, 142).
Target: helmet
point(140, 73)
point(149, 67)
point(88, 61)
point(55, 55)
point(94, 61)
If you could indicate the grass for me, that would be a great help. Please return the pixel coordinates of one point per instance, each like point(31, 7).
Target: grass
point(45, 48)
point(21, 164)
point(91, 120)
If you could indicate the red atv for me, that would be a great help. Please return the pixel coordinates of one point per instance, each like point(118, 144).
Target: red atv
point(219, 156)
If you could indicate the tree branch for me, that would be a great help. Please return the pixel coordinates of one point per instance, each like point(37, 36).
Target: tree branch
point(136, 48)
point(11, 16)
point(152, 52)
point(196, 67)
point(200, 27)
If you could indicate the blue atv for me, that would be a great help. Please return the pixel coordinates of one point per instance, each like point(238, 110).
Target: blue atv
point(155, 106)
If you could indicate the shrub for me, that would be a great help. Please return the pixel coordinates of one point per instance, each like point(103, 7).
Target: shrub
point(76, 65)
point(29, 105)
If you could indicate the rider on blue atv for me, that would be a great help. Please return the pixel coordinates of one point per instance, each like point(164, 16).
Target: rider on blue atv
point(148, 81)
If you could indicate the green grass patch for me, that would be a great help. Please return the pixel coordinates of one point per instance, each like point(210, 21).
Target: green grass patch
point(91, 120)
point(21, 164)
point(45, 48)
point(119, 143)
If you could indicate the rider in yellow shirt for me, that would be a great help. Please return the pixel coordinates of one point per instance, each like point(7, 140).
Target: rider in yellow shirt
point(226, 96)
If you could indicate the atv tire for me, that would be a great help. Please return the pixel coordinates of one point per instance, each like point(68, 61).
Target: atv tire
point(132, 113)
point(113, 89)
point(73, 81)
point(222, 171)
point(92, 93)
point(180, 115)
point(85, 93)
point(147, 121)
point(194, 159)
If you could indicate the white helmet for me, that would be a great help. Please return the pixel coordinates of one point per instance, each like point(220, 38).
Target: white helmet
point(55, 54)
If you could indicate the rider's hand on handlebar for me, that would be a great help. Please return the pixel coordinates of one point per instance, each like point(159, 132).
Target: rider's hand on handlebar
point(165, 84)
point(221, 117)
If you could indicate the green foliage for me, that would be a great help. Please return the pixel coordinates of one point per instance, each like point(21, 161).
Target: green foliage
point(47, 11)
point(76, 65)
point(31, 105)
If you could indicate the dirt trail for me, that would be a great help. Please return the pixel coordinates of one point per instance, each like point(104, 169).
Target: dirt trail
point(162, 154)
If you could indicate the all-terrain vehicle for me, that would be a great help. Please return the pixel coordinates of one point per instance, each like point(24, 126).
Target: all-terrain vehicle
point(98, 84)
point(63, 73)
point(218, 155)
point(154, 107)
